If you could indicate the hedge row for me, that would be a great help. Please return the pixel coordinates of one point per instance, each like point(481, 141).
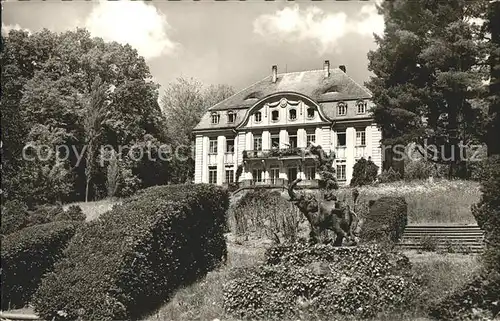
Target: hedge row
point(28, 254)
point(129, 261)
point(321, 280)
point(386, 220)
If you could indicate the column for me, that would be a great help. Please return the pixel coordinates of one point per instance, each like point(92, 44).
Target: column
point(376, 147)
point(221, 148)
point(204, 176)
point(325, 142)
point(283, 138)
point(301, 138)
point(249, 141)
point(369, 143)
point(266, 140)
point(240, 147)
point(236, 156)
point(198, 168)
point(350, 151)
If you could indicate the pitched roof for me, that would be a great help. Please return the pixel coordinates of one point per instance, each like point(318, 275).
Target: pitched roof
point(313, 83)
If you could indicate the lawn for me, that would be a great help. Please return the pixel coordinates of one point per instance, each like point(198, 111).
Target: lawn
point(437, 202)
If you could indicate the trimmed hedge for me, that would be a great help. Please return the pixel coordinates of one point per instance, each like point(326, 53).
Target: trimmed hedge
point(14, 216)
point(386, 220)
point(28, 254)
point(477, 300)
point(128, 261)
point(321, 280)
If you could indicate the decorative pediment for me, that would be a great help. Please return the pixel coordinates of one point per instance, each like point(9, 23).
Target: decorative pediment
point(283, 102)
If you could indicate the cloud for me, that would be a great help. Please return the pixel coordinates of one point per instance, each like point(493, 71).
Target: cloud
point(369, 21)
point(323, 29)
point(134, 22)
point(7, 28)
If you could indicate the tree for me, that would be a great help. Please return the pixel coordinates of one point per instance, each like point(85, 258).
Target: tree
point(429, 67)
point(493, 27)
point(184, 102)
point(49, 77)
point(93, 121)
point(364, 172)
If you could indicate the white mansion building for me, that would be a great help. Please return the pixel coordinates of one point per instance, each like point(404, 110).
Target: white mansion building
point(267, 126)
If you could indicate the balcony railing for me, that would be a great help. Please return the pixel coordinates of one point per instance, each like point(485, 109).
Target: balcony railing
point(228, 158)
point(212, 159)
point(340, 152)
point(277, 182)
point(360, 151)
point(275, 153)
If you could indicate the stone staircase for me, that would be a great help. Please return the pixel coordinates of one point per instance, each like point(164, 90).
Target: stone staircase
point(446, 238)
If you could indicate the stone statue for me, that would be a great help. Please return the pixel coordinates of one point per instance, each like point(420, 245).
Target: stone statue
point(327, 214)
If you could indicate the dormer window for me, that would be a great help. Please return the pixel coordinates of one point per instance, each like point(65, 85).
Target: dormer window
point(231, 116)
point(258, 117)
point(361, 107)
point(215, 118)
point(293, 114)
point(310, 112)
point(341, 109)
point(275, 115)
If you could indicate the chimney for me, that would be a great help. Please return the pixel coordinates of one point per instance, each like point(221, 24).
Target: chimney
point(342, 67)
point(275, 73)
point(326, 68)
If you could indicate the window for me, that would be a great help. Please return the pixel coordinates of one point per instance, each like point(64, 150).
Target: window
point(258, 117)
point(212, 175)
point(341, 172)
point(341, 109)
point(360, 138)
point(361, 107)
point(310, 172)
point(257, 175)
point(229, 176)
point(257, 142)
point(230, 146)
point(292, 139)
point(311, 137)
point(212, 146)
point(275, 140)
point(341, 140)
point(275, 115)
point(293, 114)
point(215, 118)
point(310, 112)
point(231, 117)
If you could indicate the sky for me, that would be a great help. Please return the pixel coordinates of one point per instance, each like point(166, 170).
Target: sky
point(230, 42)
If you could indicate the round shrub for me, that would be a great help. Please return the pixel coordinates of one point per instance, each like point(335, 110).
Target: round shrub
point(14, 216)
point(364, 172)
point(129, 260)
point(27, 255)
point(355, 281)
point(386, 220)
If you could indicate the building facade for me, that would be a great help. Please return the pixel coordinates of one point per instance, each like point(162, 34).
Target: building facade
point(266, 128)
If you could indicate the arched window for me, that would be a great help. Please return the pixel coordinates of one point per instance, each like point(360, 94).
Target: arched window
point(215, 118)
point(231, 116)
point(341, 109)
point(293, 114)
point(258, 117)
point(310, 112)
point(361, 107)
point(275, 115)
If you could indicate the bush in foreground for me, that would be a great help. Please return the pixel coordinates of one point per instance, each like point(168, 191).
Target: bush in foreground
point(322, 279)
point(14, 216)
point(128, 261)
point(364, 172)
point(477, 300)
point(386, 220)
point(28, 254)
